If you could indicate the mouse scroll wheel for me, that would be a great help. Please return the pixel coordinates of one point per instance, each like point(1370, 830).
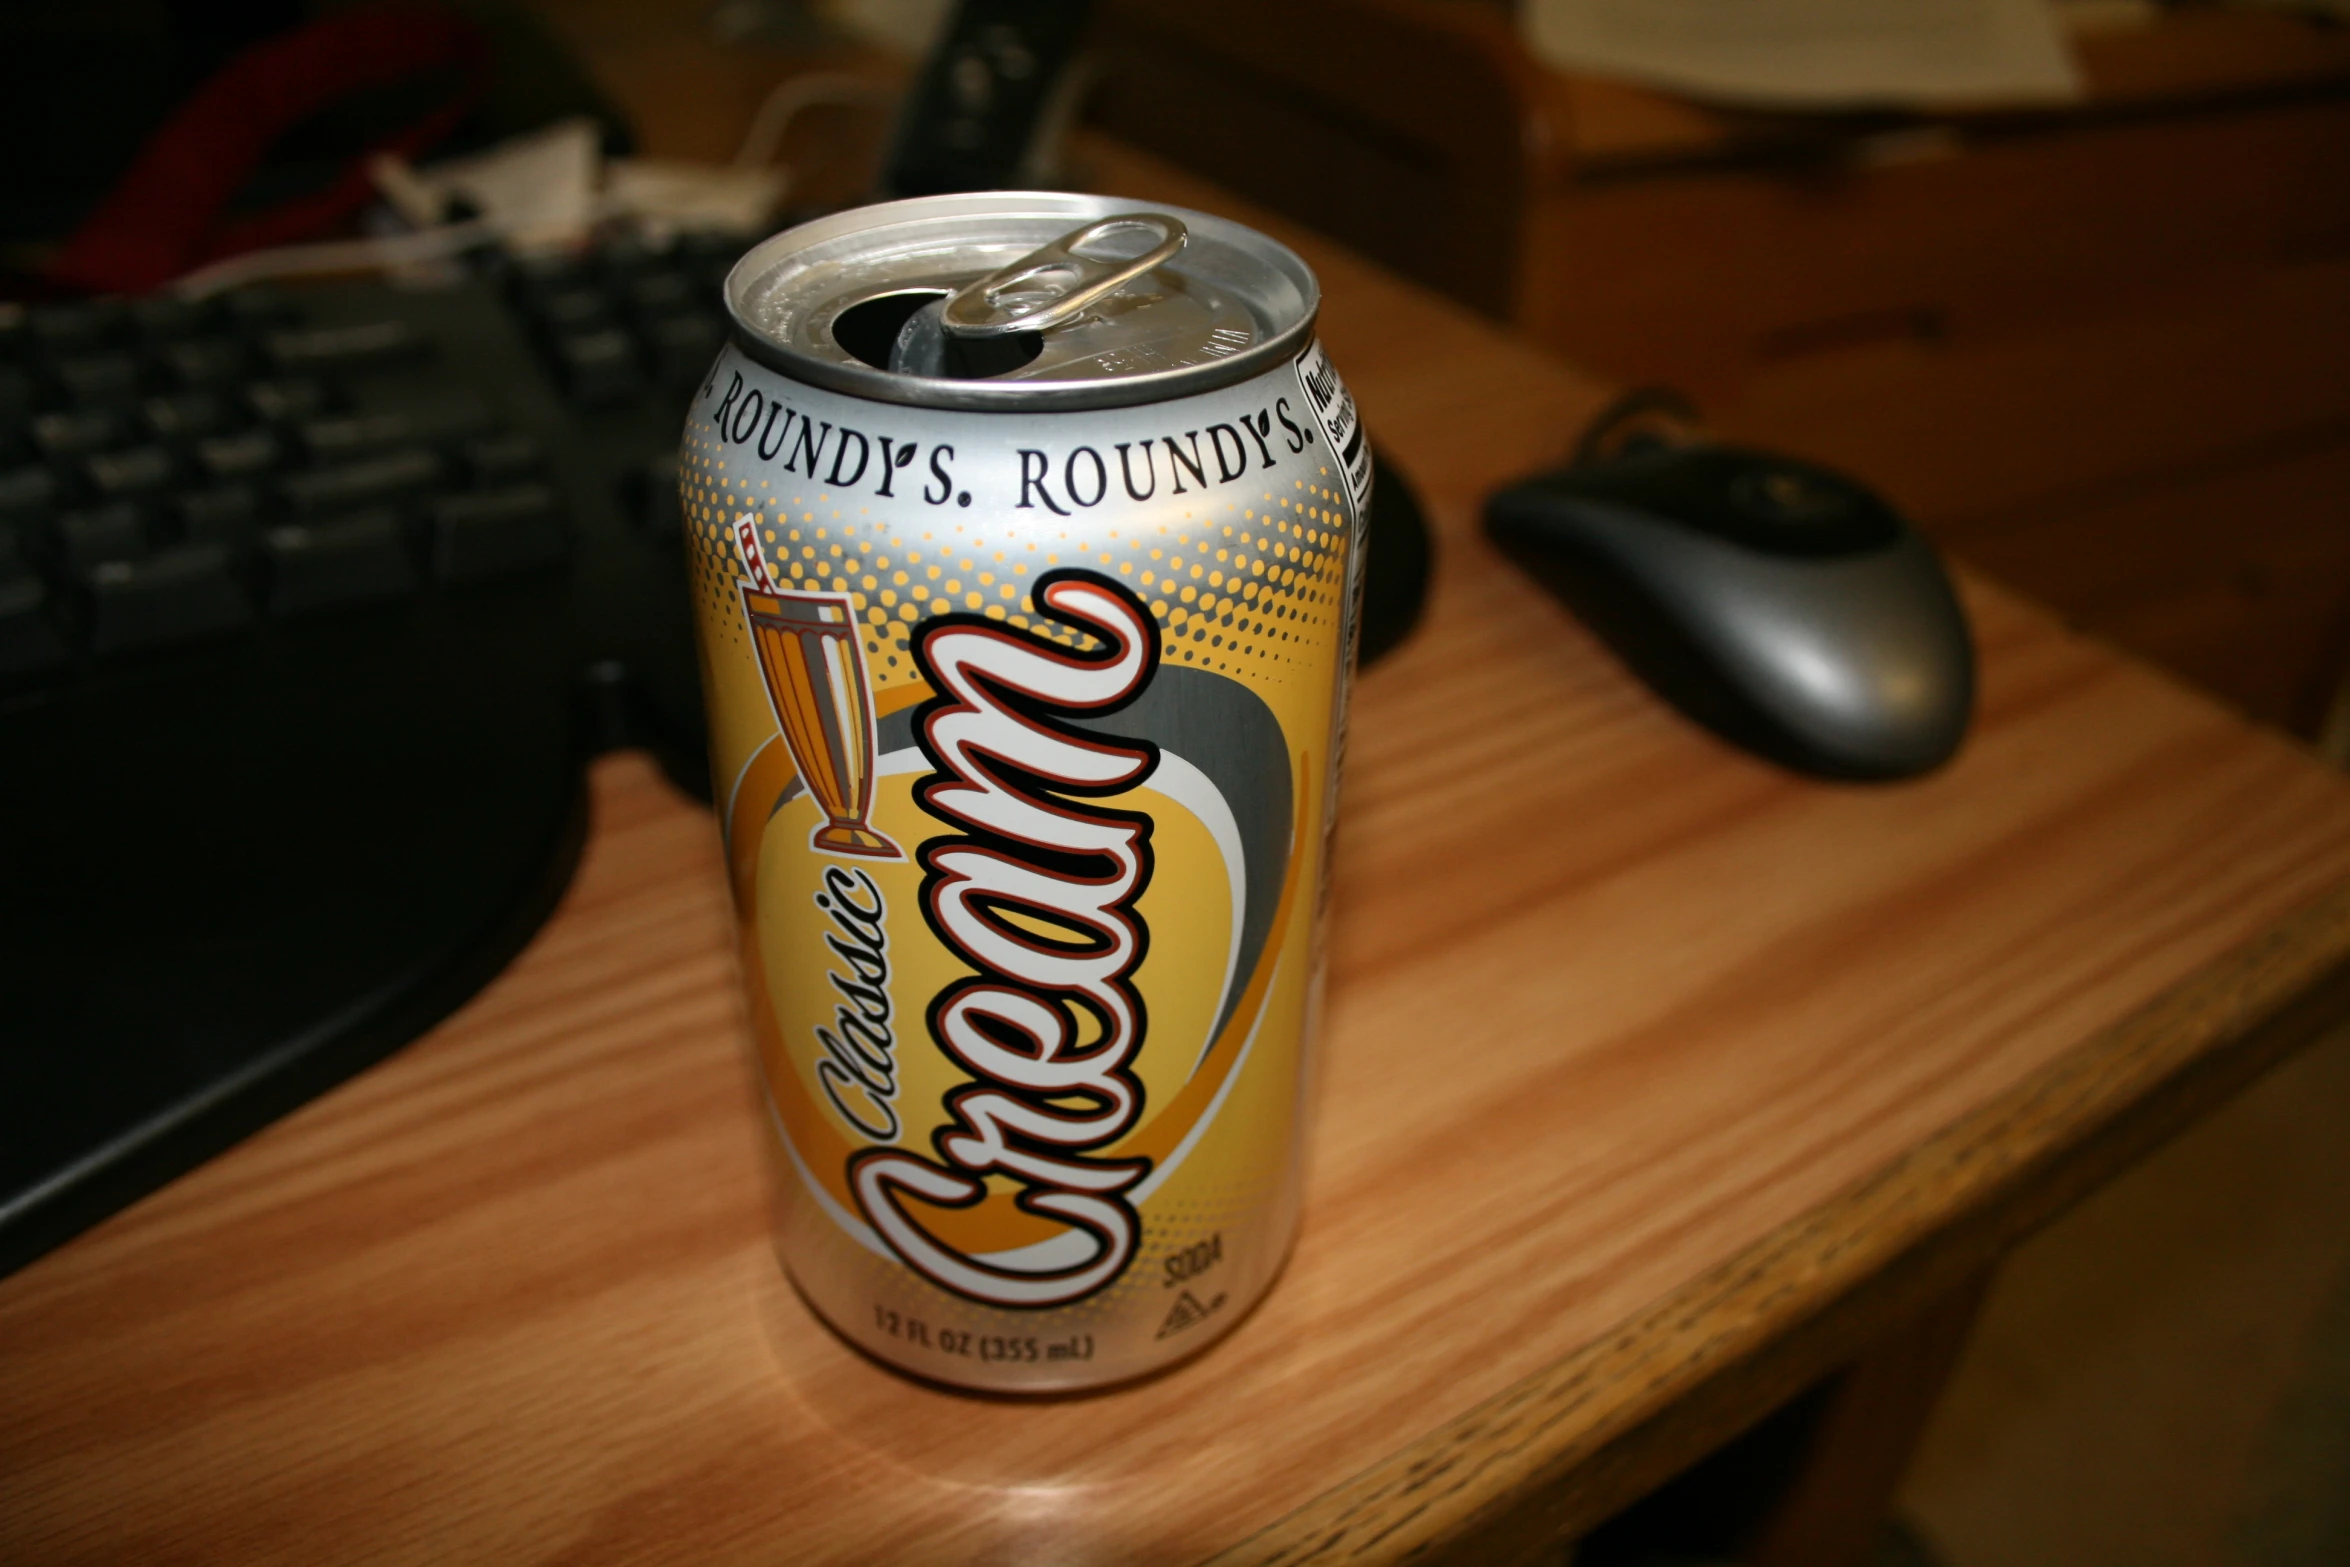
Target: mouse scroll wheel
point(1788, 497)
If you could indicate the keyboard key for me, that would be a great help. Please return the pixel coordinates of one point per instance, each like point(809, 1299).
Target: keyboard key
point(573, 310)
point(100, 380)
point(358, 435)
point(288, 399)
point(547, 273)
point(184, 416)
point(165, 316)
point(245, 456)
point(684, 346)
point(208, 361)
point(600, 368)
point(391, 477)
point(504, 533)
point(130, 475)
point(74, 328)
point(83, 433)
point(664, 294)
point(503, 459)
point(652, 492)
point(624, 258)
point(346, 347)
point(30, 641)
point(176, 596)
point(16, 395)
point(29, 494)
point(229, 516)
point(100, 536)
point(703, 247)
point(261, 306)
point(109, 380)
point(336, 565)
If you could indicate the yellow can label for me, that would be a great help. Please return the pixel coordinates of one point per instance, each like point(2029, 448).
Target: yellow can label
point(1023, 730)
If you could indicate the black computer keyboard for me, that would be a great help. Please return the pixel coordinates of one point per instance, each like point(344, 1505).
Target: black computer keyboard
point(314, 602)
point(176, 472)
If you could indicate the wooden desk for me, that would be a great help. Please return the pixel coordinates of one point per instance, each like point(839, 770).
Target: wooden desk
point(1656, 1082)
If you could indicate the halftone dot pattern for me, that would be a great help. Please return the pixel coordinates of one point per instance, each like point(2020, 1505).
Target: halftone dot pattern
point(707, 502)
point(1245, 578)
point(1252, 585)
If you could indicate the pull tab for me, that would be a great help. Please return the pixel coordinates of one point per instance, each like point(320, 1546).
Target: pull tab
point(1051, 286)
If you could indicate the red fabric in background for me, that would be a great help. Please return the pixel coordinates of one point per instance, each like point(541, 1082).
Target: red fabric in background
point(164, 217)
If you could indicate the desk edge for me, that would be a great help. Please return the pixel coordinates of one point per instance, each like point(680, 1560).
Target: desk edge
point(1551, 1456)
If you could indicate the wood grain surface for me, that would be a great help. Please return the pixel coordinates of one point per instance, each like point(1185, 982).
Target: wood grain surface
point(1653, 1076)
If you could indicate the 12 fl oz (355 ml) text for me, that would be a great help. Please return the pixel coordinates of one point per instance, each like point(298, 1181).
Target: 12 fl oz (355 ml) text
point(982, 1346)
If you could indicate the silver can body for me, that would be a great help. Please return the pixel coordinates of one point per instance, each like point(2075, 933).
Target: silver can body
point(1024, 718)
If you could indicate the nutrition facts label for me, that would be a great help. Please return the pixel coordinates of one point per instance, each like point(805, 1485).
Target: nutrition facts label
point(1342, 427)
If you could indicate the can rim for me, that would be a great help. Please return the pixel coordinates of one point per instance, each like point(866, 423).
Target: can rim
point(1284, 342)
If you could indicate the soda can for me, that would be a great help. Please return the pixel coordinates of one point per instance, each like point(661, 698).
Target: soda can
point(1026, 539)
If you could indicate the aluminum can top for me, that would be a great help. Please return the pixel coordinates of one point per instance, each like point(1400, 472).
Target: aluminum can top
point(1018, 301)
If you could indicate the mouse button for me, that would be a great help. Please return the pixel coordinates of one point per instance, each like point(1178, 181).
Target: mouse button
point(1638, 543)
point(1795, 508)
point(1785, 497)
point(1655, 480)
point(1710, 588)
point(1772, 504)
point(1757, 502)
point(1543, 514)
point(1867, 660)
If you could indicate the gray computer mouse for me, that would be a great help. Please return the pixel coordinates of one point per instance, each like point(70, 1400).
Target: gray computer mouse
point(1783, 606)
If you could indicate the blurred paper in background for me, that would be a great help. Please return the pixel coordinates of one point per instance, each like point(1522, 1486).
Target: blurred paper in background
point(1815, 53)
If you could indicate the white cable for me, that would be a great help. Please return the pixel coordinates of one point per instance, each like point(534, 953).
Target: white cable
point(793, 97)
point(776, 113)
point(340, 255)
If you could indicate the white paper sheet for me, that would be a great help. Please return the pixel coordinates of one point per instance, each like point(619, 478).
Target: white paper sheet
point(1814, 53)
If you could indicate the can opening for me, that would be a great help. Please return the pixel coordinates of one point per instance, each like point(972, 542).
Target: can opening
point(1020, 300)
point(900, 333)
point(870, 329)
